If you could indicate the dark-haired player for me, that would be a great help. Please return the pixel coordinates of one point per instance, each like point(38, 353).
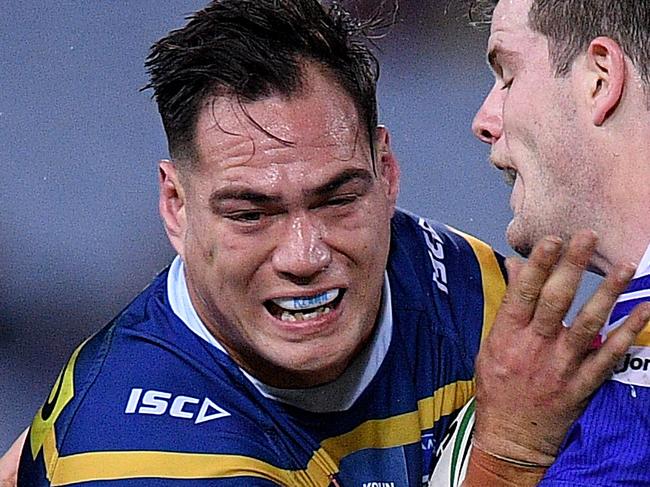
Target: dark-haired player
point(307, 333)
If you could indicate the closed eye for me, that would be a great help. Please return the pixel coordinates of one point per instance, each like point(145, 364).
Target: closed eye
point(342, 200)
point(245, 216)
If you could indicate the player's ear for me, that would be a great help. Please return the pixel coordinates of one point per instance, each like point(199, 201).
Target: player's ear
point(387, 165)
point(172, 204)
point(606, 77)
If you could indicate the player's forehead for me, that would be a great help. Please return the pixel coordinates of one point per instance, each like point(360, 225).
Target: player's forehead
point(510, 33)
point(319, 121)
point(510, 17)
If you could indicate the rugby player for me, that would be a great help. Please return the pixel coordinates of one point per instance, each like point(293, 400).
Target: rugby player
point(308, 333)
point(568, 120)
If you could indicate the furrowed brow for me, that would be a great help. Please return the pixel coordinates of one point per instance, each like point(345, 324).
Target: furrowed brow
point(243, 194)
point(349, 175)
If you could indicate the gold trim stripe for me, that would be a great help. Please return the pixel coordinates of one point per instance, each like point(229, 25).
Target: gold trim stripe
point(170, 465)
point(65, 385)
point(445, 401)
point(86, 467)
point(387, 433)
point(494, 285)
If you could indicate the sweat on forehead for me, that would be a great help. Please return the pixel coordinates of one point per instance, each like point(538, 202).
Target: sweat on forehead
point(280, 128)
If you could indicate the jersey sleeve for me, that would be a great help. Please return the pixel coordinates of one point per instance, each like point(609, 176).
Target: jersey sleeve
point(609, 445)
point(170, 419)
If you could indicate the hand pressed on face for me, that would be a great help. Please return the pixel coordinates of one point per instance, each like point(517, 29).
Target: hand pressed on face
point(534, 375)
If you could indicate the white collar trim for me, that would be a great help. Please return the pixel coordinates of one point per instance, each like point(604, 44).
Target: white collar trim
point(339, 395)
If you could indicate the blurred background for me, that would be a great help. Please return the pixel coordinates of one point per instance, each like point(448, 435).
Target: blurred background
point(79, 228)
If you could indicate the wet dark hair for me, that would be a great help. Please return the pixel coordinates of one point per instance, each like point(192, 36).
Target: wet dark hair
point(570, 25)
point(253, 49)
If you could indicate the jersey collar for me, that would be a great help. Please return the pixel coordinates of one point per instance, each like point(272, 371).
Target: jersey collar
point(338, 395)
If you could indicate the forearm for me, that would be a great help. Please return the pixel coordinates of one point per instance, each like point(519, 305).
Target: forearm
point(486, 469)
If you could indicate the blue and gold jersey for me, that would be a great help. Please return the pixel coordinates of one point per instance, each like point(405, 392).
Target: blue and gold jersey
point(146, 402)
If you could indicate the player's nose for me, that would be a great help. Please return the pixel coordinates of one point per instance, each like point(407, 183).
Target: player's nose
point(488, 121)
point(301, 252)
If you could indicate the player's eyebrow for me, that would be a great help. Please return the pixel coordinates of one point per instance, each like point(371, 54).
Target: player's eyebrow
point(259, 198)
point(240, 193)
point(349, 175)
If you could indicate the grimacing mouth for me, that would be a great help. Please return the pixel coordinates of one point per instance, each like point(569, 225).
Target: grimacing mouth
point(302, 308)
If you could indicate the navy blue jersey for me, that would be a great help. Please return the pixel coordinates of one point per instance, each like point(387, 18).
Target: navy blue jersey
point(146, 402)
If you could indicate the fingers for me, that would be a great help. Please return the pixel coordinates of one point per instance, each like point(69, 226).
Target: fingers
point(602, 361)
point(524, 290)
point(513, 266)
point(595, 312)
point(560, 288)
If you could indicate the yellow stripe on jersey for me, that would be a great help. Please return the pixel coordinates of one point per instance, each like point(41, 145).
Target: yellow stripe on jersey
point(111, 465)
point(168, 465)
point(494, 285)
point(391, 432)
point(61, 394)
point(403, 429)
point(445, 401)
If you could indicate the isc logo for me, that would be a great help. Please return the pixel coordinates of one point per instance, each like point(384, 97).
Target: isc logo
point(436, 254)
point(159, 403)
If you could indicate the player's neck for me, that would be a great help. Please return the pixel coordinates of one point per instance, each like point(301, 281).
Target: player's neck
point(622, 247)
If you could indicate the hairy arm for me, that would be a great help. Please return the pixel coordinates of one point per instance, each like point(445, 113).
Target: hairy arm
point(534, 375)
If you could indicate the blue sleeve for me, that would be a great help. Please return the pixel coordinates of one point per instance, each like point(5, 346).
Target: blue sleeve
point(169, 420)
point(610, 444)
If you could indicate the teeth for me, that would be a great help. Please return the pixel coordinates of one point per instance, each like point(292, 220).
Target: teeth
point(289, 316)
point(307, 302)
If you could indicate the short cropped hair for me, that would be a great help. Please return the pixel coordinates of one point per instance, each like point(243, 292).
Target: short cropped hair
point(251, 50)
point(570, 25)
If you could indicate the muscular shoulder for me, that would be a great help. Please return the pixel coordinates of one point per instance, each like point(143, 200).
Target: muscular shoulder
point(145, 393)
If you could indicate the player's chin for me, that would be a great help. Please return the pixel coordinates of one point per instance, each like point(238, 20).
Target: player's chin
point(303, 366)
point(517, 238)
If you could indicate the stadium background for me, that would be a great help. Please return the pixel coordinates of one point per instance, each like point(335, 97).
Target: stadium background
point(79, 229)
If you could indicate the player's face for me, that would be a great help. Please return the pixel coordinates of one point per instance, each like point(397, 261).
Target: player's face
point(285, 237)
point(533, 123)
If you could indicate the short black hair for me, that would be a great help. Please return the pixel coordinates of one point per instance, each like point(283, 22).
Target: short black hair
point(254, 49)
point(570, 25)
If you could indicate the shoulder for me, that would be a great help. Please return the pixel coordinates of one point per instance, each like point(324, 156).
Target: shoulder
point(453, 269)
point(444, 248)
point(144, 384)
